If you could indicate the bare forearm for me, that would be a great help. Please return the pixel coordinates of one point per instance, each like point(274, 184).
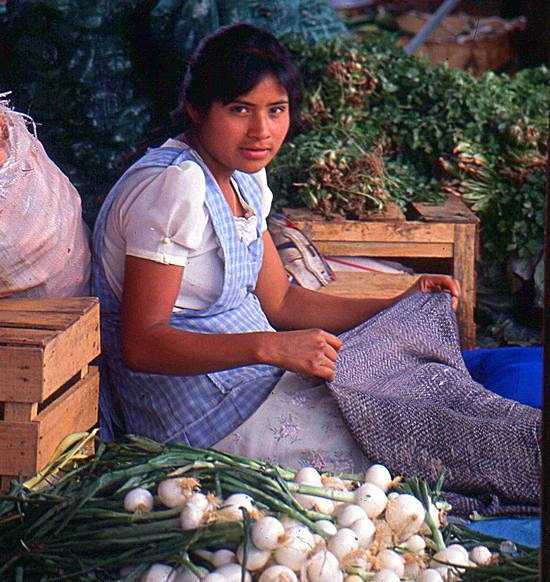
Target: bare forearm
point(167, 350)
point(303, 309)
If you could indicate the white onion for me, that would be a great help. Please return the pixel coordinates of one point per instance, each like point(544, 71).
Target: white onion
point(344, 542)
point(290, 522)
point(239, 500)
point(353, 578)
point(199, 500)
point(386, 576)
point(230, 573)
point(278, 573)
point(295, 548)
point(481, 555)
point(390, 560)
point(380, 476)
point(405, 515)
point(159, 573)
point(309, 476)
point(221, 557)
point(371, 498)
point(191, 517)
point(365, 529)
point(267, 532)
point(320, 504)
point(171, 493)
point(429, 575)
point(323, 567)
point(214, 577)
point(459, 548)
point(138, 500)
point(349, 513)
point(256, 558)
point(414, 544)
point(447, 574)
point(449, 555)
point(412, 569)
point(185, 574)
point(327, 526)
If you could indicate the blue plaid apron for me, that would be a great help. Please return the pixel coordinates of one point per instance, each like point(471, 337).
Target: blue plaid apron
point(197, 410)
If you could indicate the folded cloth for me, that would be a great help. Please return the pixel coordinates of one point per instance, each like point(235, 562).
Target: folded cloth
point(512, 372)
point(411, 404)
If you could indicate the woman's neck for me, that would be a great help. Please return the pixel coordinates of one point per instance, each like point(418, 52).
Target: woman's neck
point(222, 176)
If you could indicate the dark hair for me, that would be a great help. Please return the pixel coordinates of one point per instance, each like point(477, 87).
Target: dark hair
point(231, 62)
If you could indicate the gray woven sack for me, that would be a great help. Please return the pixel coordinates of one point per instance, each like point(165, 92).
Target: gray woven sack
point(411, 404)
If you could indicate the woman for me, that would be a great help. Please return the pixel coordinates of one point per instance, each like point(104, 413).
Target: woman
point(199, 320)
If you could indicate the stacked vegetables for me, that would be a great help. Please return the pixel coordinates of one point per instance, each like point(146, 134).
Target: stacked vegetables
point(381, 124)
point(148, 512)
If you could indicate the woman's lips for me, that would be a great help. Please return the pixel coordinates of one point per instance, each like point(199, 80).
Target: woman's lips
point(255, 153)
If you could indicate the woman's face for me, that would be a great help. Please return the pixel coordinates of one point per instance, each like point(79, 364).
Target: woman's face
point(246, 133)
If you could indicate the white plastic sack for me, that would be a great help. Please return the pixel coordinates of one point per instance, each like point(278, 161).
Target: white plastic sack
point(44, 242)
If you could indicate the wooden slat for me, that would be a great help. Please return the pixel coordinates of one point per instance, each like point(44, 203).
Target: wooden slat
point(37, 320)
point(74, 411)
point(53, 304)
point(28, 446)
point(18, 447)
point(453, 210)
point(26, 337)
point(21, 374)
point(71, 350)
point(464, 272)
point(20, 410)
point(387, 249)
point(361, 284)
point(367, 231)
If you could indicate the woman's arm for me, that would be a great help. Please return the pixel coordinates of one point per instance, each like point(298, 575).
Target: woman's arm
point(292, 307)
point(151, 345)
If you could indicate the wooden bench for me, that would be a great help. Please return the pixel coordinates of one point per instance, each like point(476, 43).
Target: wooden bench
point(431, 239)
point(48, 389)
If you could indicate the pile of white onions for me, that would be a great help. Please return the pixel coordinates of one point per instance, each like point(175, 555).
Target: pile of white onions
point(368, 532)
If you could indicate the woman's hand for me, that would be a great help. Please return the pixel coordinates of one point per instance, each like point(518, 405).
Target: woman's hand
point(311, 351)
point(436, 284)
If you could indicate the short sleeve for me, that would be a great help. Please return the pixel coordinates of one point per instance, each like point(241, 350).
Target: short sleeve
point(167, 219)
point(266, 195)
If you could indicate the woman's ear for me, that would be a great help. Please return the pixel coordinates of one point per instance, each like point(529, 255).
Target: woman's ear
point(193, 113)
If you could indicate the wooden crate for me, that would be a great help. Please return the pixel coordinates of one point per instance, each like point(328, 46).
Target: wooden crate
point(440, 239)
point(48, 389)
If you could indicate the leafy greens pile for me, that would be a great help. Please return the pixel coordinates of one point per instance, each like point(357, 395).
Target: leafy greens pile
point(379, 124)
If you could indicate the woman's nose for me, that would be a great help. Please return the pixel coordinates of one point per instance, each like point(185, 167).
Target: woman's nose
point(259, 126)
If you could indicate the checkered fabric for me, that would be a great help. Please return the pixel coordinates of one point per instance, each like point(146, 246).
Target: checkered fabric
point(197, 410)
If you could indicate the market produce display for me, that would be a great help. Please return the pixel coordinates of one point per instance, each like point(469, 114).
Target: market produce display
point(140, 510)
point(381, 124)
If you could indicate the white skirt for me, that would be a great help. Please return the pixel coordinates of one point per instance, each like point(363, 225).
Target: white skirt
point(298, 425)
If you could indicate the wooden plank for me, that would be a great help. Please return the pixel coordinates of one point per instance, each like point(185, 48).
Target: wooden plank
point(403, 232)
point(390, 213)
point(453, 210)
point(28, 446)
point(74, 411)
point(71, 350)
point(384, 249)
point(20, 410)
point(37, 320)
point(26, 337)
point(464, 271)
point(21, 373)
point(53, 304)
point(361, 284)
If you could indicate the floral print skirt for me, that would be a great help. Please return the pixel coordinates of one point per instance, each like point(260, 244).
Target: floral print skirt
point(298, 425)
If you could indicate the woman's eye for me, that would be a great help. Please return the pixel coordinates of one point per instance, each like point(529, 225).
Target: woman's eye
point(239, 109)
point(277, 110)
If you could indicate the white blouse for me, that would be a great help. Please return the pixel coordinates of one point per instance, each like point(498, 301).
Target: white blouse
point(161, 215)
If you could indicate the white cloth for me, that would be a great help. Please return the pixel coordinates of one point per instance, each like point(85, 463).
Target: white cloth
point(161, 216)
point(299, 425)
